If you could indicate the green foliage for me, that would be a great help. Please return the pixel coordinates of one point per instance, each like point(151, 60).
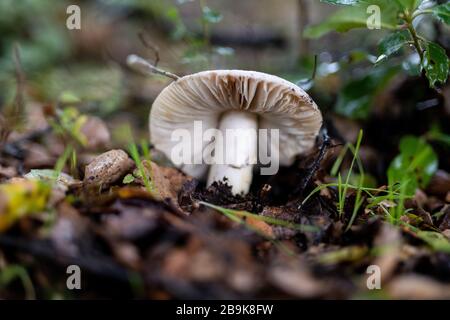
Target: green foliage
point(44, 43)
point(68, 123)
point(269, 220)
point(357, 96)
point(416, 164)
point(409, 4)
point(435, 134)
point(211, 16)
point(392, 43)
point(94, 88)
point(133, 149)
point(436, 63)
point(129, 178)
point(442, 12)
point(353, 17)
point(435, 240)
point(343, 188)
point(412, 168)
point(13, 272)
point(399, 17)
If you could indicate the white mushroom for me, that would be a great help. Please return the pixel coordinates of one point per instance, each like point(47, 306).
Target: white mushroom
point(234, 99)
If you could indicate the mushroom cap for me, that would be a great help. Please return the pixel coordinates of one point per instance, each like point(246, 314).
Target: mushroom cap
point(204, 96)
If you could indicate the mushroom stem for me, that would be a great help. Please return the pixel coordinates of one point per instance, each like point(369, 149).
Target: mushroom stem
point(236, 153)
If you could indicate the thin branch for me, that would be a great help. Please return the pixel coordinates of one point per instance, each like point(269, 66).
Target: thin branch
point(326, 142)
point(150, 46)
point(139, 64)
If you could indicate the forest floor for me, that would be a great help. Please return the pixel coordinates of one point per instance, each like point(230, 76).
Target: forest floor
point(141, 230)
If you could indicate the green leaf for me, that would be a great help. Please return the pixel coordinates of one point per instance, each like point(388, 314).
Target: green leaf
point(357, 96)
point(411, 5)
point(211, 16)
point(416, 163)
point(435, 240)
point(392, 43)
point(14, 272)
point(442, 12)
point(129, 178)
point(436, 64)
point(356, 16)
point(436, 134)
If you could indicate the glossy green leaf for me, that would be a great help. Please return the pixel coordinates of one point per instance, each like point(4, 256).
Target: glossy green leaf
point(442, 12)
point(436, 63)
point(392, 43)
point(356, 16)
point(416, 163)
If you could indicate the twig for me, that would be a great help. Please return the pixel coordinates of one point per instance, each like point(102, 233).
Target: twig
point(142, 65)
point(151, 47)
point(13, 117)
point(312, 170)
point(303, 17)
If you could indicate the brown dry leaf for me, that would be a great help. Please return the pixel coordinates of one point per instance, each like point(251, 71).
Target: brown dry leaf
point(205, 265)
point(294, 278)
point(130, 192)
point(387, 245)
point(282, 213)
point(167, 181)
point(176, 262)
point(127, 254)
point(130, 223)
point(38, 156)
point(419, 287)
point(439, 184)
point(7, 172)
point(260, 226)
point(445, 224)
point(96, 132)
point(69, 231)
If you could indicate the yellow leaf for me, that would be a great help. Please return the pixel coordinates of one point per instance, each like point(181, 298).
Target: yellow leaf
point(20, 198)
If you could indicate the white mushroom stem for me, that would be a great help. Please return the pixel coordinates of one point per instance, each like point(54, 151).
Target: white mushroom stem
point(236, 152)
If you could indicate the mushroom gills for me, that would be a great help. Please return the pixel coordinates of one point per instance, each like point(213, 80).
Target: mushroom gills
point(235, 152)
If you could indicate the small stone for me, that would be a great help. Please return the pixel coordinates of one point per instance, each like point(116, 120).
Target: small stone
point(107, 168)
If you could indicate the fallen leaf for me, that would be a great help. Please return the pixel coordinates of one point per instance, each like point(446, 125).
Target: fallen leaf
point(96, 133)
point(20, 198)
point(418, 287)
